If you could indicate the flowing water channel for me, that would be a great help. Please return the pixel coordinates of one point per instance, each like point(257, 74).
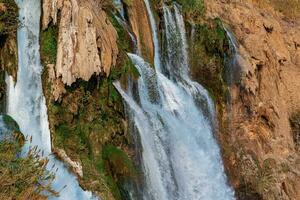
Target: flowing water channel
point(174, 118)
point(173, 115)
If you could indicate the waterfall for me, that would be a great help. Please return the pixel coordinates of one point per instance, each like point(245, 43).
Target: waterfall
point(235, 61)
point(26, 103)
point(174, 116)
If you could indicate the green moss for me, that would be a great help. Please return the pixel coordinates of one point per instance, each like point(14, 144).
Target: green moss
point(48, 42)
point(10, 123)
point(117, 164)
point(193, 9)
point(89, 116)
point(123, 37)
point(124, 66)
point(120, 159)
point(207, 50)
point(128, 69)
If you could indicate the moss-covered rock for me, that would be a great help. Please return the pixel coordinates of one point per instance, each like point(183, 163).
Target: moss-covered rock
point(119, 167)
point(193, 10)
point(89, 116)
point(48, 44)
point(208, 48)
point(10, 131)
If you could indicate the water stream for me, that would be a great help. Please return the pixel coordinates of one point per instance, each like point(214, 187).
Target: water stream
point(26, 103)
point(174, 116)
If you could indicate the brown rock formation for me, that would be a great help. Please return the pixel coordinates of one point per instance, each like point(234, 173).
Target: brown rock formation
point(141, 27)
point(87, 41)
point(259, 150)
point(9, 56)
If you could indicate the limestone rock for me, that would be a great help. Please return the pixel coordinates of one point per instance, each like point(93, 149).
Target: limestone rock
point(76, 166)
point(267, 94)
point(87, 41)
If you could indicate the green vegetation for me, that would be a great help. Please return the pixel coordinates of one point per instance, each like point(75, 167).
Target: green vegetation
point(8, 17)
point(124, 66)
point(10, 123)
point(116, 158)
point(123, 37)
point(117, 164)
point(21, 177)
point(193, 9)
point(208, 48)
point(48, 42)
point(87, 119)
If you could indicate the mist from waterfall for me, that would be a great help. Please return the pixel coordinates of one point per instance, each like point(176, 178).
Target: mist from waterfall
point(174, 118)
point(26, 103)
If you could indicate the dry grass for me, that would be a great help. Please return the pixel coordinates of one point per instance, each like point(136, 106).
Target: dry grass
point(23, 178)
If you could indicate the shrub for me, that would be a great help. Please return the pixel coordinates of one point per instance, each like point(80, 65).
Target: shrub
point(23, 177)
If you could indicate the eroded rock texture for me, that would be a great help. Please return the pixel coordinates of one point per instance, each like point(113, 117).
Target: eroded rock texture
point(87, 41)
point(258, 146)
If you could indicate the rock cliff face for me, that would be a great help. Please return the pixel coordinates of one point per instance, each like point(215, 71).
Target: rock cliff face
point(140, 24)
point(87, 41)
point(259, 129)
point(9, 55)
point(84, 55)
point(258, 142)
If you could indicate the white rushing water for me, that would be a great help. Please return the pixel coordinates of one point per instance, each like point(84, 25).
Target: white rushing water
point(174, 118)
point(26, 103)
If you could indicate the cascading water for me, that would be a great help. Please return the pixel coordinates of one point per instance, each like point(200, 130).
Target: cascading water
point(26, 103)
point(173, 116)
